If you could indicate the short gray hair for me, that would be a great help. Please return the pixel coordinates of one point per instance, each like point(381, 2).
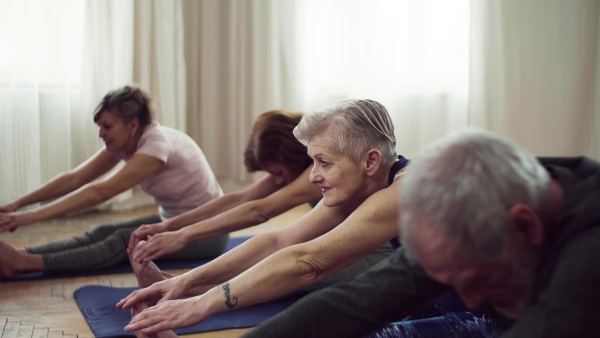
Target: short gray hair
point(130, 102)
point(464, 184)
point(354, 127)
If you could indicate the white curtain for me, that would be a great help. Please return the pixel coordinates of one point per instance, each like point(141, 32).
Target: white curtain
point(246, 57)
point(59, 58)
point(158, 59)
point(135, 41)
point(535, 73)
point(107, 63)
point(528, 70)
point(410, 55)
point(239, 63)
point(40, 53)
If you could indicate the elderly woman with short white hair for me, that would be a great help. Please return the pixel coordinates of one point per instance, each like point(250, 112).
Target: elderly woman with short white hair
point(356, 166)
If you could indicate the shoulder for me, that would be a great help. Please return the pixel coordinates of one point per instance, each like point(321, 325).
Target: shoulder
point(580, 179)
point(153, 133)
point(577, 167)
point(158, 135)
point(154, 142)
point(179, 140)
point(568, 283)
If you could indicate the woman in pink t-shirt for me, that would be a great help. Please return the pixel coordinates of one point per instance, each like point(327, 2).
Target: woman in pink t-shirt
point(272, 148)
point(166, 163)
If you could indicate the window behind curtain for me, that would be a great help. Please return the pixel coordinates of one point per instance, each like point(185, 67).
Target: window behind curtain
point(411, 55)
point(40, 42)
point(40, 57)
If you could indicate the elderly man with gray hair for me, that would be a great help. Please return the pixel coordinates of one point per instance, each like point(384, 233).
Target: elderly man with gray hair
point(516, 235)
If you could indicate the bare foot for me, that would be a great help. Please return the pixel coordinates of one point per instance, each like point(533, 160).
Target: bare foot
point(14, 262)
point(148, 274)
point(164, 334)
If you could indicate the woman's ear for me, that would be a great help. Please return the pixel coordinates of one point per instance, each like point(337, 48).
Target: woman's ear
point(135, 125)
point(373, 158)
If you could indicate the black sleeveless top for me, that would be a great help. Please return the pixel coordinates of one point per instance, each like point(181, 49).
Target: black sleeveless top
point(399, 165)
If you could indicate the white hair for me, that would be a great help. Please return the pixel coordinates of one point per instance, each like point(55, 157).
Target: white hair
point(465, 184)
point(353, 127)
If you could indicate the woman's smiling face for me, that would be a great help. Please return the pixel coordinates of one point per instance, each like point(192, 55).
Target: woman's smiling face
point(116, 133)
point(341, 180)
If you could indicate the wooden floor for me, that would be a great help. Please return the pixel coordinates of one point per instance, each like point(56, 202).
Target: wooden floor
point(46, 308)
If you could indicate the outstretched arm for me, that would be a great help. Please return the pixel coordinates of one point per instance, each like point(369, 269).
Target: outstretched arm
point(370, 226)
point(138, 168)
point(258, 190)
point(247, 214)
point(316, 222)
point(264, 187)
point(366, 229)
point(65, 183)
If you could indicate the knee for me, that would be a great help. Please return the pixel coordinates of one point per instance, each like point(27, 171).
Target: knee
point(310, 270)
point(103, 230)
point(123, 234)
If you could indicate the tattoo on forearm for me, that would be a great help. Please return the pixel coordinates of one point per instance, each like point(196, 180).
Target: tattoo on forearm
point(228, 300)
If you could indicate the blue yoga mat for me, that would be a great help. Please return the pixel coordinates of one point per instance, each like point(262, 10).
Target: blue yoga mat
point(126, 267)
point(97, 304)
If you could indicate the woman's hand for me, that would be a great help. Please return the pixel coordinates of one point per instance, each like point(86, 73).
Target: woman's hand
point(172, 288)
point(10, 221)
point(8, 207)
point(172, 314)
point(143, 232)
point(159, 245)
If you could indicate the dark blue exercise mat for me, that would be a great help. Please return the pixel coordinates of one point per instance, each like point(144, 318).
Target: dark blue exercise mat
point(97, 304)
point(126, 268)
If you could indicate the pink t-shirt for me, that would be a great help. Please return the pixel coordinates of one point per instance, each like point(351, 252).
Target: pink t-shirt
point(185, 180)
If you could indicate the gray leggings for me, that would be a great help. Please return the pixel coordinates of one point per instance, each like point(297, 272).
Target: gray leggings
point(105, 246)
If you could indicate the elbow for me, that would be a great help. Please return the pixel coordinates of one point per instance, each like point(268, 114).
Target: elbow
point(70, 179)
point(259, 218)
point(235, 198)
point(100, 195)
point(258, 213)
point(310, 270)
point(102, 198)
